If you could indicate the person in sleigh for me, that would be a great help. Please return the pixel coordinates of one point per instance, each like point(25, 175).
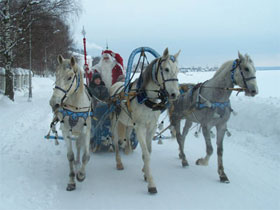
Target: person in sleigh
point(110, 67)
point(97, 88)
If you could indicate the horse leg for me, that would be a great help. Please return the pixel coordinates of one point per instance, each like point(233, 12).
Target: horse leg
point(140, 133)
point(81, 174)
point(53, 128)
point(115, 136)
point(186, 128)
point(78, 146)
point(220, 137)
point(149, 136)
point(209, 149)
point(177, 126)
point(128, 146)
point(70, 155)
point(121, 133)
point(172, 131)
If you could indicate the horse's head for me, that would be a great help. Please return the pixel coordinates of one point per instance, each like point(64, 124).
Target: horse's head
point(245, 76)
point(67, 81)
point(167, 74)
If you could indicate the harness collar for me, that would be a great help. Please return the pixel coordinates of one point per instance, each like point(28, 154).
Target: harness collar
point(162, 93)
point(74, 116)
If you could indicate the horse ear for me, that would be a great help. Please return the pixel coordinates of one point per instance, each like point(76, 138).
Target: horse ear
point(60, 59)
point(240, 56)
point(165, 53)
point(177, 54)
point(72, 61)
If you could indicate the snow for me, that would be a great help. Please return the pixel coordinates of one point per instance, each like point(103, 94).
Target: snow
point(34, 172)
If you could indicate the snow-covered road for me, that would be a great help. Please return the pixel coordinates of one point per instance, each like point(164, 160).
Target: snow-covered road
point(34, 172)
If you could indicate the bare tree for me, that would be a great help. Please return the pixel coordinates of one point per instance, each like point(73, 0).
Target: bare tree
point(45, 16)
point(95, 60)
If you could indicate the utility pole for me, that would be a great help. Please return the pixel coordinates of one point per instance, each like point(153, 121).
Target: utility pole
point(30, 61)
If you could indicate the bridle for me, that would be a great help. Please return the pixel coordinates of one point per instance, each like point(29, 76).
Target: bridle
point(236, 64)
point(70, 87)
point(162, 92)
point(155, 71)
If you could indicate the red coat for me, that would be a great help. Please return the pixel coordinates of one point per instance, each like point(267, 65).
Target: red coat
point(116, 70)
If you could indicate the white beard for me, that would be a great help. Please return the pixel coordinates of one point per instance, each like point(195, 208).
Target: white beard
point(105, 70)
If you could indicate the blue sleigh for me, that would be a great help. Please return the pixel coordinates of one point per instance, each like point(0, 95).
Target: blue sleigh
point(101, 138)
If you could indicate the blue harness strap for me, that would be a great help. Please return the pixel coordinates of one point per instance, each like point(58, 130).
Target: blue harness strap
point(75, 115)
point(221, 105)
point(234, 66)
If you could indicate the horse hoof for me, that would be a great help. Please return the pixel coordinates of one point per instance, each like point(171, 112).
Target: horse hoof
point(224, 179)
point(71, 187)
point(152, 190)
point(80, 176)
point(120, 166)
point(185, 163)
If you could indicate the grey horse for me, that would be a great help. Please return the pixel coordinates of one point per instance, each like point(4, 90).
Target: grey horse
point(208, 104)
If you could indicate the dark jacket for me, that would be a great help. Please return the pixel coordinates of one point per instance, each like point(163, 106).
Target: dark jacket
point(99, 91)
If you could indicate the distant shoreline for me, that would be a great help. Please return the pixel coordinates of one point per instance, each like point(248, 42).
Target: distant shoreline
point(264, 68)
point(208, 69)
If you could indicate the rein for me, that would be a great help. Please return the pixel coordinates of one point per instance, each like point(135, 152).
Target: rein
point(224, 88)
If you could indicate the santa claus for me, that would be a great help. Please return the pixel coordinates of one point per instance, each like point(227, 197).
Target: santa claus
point(110, 67)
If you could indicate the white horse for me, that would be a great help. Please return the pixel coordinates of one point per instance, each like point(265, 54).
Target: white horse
point(208, 104)
point(157, 85)
point(71, 105)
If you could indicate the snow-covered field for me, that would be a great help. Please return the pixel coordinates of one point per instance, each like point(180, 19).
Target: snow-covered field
point(34, 172)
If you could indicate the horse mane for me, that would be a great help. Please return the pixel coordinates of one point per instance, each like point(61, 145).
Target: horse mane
point(147, 74)
point(223, 66)
point(80, 71)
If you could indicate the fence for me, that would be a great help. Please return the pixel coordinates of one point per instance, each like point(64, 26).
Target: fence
point(20, 79)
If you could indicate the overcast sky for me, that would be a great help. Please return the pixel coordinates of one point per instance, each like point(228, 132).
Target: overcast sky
point(208, 32)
